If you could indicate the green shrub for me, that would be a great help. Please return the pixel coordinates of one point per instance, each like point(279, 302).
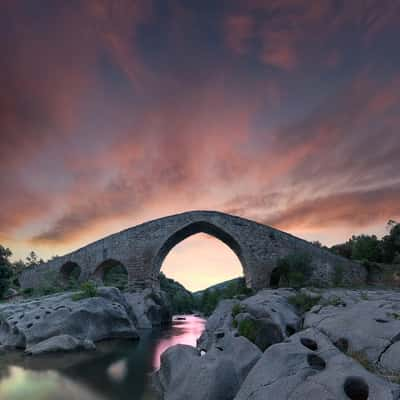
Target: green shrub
point(248, 328)
point(210, 298)
point(5, 270)
point(88, 289)
point(334, 301)
point(364, 296)
point(236, 309)
point(303, 302)
point(295, 269)
point(27, 292)
point(393, 315)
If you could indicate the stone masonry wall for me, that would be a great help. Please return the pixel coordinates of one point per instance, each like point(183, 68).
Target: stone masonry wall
point(142, 249)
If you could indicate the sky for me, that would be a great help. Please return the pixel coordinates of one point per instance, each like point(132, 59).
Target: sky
point(115, 112)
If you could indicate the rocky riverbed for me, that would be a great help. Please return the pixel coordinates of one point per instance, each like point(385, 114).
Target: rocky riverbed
point(65, 322)
point(283, 344)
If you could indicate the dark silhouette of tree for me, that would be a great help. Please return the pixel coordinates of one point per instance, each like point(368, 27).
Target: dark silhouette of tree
point(33, 259)
point(5, 270)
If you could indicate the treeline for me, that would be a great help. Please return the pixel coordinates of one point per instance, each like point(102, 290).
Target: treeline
point(208, 300)
point(180, 299)
point(371, 249)
point(9, 270)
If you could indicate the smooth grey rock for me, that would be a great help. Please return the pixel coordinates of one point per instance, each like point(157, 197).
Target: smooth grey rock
point(272, 307)
point(138, 305)
point(60, 343)
point(220, 319)
point(307, 366)
point(217, 375)
point(105, 316)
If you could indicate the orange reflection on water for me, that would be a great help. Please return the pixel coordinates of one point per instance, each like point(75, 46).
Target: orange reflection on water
point(185, 331)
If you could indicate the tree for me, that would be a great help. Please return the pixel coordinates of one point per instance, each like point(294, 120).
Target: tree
point(5, 270)
point(391, 243)
point(362, 247)
point(32, 259)
point(17, 268)
point(365, 247)
point(295, 268)
point(343, 249)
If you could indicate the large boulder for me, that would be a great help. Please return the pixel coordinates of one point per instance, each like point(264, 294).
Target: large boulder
point(363, 323)
point(271, 315)
point(265, 318)
point(150, 308)
point(221, 319)
point(308, 366)
point(105, 316)
point(60, 343)
point(216, 375)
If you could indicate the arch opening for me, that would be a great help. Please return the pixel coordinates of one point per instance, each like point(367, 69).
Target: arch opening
point(112, 273)
point(70, 272)
point(203, 255)
point(275, 278)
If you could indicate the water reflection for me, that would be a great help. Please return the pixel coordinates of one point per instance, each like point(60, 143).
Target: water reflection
point(20, 384)
point(183, 331)
point(119, 370)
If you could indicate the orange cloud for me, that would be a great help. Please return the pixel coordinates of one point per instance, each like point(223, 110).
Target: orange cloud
point(116, 112)
point(356, 209)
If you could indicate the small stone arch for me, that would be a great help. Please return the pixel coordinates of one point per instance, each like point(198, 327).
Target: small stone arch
point(112, 272)
point(70, 270)
point(275, 278)
point(192, 229)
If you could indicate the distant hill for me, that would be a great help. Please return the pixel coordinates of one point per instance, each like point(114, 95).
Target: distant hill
point(218, 286)
point(180, 298)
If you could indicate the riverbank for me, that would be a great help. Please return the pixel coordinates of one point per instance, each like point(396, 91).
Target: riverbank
point(284, 344)
point(117, 370)
point(75, 320)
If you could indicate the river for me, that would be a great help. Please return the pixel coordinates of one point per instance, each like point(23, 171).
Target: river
point(117, 370)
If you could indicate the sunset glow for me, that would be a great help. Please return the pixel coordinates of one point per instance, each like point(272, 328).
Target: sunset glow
point(114, 113)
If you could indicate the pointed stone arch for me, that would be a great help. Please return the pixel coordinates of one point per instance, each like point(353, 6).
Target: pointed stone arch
point(193, 229)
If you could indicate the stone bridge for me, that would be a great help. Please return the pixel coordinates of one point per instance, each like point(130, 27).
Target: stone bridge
point(143, 248)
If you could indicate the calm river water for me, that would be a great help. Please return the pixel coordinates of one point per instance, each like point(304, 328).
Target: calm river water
point(117, 370)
